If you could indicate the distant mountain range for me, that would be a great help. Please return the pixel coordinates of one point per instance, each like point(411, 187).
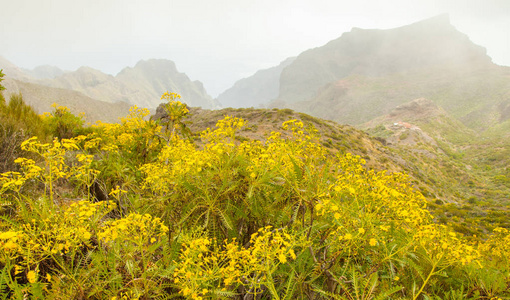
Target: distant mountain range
point(103, 96)
point(366, 73)
point(360, 76)
point(42, 97)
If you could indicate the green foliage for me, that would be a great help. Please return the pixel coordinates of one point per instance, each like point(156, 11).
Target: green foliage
point(18, 121)
point(1, 79)
point(380, 131)
point(403, 136)
point(62, 123)
point(285, 111)
point(176, 111)
point(280, 218)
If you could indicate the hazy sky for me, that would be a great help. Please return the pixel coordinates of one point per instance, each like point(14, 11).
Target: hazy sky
point(219, 41)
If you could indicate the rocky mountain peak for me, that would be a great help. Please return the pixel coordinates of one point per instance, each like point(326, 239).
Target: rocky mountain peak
point(46, 72)
point(150, 66)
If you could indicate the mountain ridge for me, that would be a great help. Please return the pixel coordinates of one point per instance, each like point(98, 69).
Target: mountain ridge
point(41, 98)
point(365, 73)
point(140, 85)
point(375, 52)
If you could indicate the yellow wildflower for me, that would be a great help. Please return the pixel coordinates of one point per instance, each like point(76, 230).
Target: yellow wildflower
point(8, 235)
point(282, 258)
point(32, 277)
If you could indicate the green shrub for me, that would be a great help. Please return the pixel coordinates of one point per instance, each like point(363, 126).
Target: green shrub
point(18, 122)
point(62, 123)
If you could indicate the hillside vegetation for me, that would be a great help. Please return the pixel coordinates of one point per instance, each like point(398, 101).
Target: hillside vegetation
point(469, 194)
point(466, 170)
point(215, 215)
point(475, 96)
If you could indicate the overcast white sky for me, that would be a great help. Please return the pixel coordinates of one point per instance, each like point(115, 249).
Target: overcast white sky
point(219, 41)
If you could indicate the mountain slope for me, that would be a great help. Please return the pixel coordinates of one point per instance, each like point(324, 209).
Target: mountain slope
point(256, 90)
point(12, 71)
point(45, 72)
point(467, 169)
point(474, 96)
point(42, 97)
point(366, 73)
point(458, 191)
point(371, 52)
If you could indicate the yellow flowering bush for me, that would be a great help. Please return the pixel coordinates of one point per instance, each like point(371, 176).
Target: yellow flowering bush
point(179, 158)
point(133, 136)
point(284, 154)
point(444, 246)
point(123, 148)
point(62, 123)
point(497, 247)
point(206, 268)
point(176, 111)
point(54, 160)
point(58, 234)
point(227, 217)
point(9, 244)
point(135, 229)
point(11, 181)
point(55, 165)
point(46, 242)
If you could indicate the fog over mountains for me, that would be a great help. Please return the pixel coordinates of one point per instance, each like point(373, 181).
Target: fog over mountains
point(362, 75)
point(377, 53)
point(366, 73)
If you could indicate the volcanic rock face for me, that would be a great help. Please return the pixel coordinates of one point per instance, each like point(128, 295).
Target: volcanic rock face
point(102, 96)
point(367, 73)
point(45, 72)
